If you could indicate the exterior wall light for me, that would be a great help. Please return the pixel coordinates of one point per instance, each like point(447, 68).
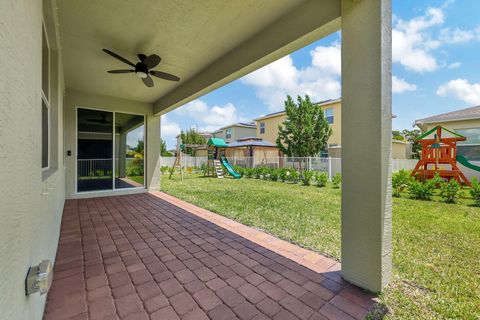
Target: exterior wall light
point(39, 278)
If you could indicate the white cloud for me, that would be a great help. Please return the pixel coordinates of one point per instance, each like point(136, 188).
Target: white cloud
point(399, 85)
point(168, 129)
point(320, 80)
point(455, 36)
point(461, 89)
point(454, 65)
point(412, 45)
point(207, 117)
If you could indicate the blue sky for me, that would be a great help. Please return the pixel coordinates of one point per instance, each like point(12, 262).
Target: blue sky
point(436, 47)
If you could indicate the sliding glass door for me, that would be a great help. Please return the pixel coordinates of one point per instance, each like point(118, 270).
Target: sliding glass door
point(110, 150)
point(129, 150)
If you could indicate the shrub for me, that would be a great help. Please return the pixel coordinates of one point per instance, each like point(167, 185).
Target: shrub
point(248, 172)
point(306, 177)
point(292, 176)
point(399, 182)
point(239, 170)
point(422, 190)
point(450, 191)
point(321, 178)
point(266, 172)
point(475, 191)
point(274, 174)
point(257, 172)
point(99, 173)
point(283, 174)
point(164, 169)
point(337, 180)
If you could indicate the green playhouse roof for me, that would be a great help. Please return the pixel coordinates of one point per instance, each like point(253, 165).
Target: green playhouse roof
point(445, 134)
point(217, 142)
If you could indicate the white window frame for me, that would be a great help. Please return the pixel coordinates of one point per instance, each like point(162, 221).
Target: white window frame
point(332, 116)
point(262, 127)
point(45, 100)
point(228, 133)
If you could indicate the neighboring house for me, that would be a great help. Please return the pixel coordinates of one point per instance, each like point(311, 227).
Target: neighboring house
point(267, 126)
point(236, 131)
point(267, 129)
point(465, 122)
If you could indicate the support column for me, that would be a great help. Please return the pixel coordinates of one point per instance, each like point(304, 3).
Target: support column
point(366, 142)
point(152, 172)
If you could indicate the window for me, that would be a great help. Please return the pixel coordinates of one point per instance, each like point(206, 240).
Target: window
point(262, 127)
point(470, 148)
point(45, 102)
point(228, 133)
point(329, 115)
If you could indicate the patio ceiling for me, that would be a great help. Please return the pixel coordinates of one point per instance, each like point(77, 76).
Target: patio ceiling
point(206, 43)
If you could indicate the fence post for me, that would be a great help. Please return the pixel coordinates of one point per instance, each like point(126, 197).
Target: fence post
point(329, 168)
point(309, 163)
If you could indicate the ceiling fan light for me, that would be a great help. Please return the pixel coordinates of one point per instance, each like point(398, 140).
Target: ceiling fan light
point(141, 74)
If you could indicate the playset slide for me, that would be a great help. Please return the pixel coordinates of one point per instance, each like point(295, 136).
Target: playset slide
point(229, 168)
point(464, 162)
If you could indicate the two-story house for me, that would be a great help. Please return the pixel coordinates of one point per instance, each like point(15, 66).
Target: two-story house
point(267, 129)
point(236, 131)
point(267, 126)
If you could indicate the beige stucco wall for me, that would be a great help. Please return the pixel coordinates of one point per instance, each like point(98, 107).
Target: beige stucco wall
point(76, 99)
point(400, 150)
point(31, 200)
point(272, 123)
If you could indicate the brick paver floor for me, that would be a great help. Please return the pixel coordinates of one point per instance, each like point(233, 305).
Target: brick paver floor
point(152, 256)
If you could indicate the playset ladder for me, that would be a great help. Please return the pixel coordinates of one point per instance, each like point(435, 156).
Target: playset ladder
point(218, 168)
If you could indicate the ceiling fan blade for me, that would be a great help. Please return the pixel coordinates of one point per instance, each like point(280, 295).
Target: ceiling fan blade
point(148, 81)
point(120, 71)
point(113, 54)
point(152, 61)
point(164, 75)
point(141, 56)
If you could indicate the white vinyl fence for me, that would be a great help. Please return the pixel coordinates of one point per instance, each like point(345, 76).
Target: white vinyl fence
point(330, 165)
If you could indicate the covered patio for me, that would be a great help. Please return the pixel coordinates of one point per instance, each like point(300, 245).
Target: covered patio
point(130, 238)
point(152, 256)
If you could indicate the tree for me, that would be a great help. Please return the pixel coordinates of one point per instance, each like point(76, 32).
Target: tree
point(163, 149)
point(192, 137)
point(305, 131)
point(139, 147)
point(398, 135)
point(411, 136)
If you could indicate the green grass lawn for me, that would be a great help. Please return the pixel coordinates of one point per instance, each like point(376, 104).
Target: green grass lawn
point(137, 179)
point(436, 245)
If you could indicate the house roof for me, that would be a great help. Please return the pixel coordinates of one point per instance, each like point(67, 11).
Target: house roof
point(278, 113)
point(250, 143)
point(238, 124)
point(464, 114)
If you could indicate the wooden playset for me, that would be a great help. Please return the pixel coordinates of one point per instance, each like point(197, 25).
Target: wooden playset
point(216, 158)
point(439, 156)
